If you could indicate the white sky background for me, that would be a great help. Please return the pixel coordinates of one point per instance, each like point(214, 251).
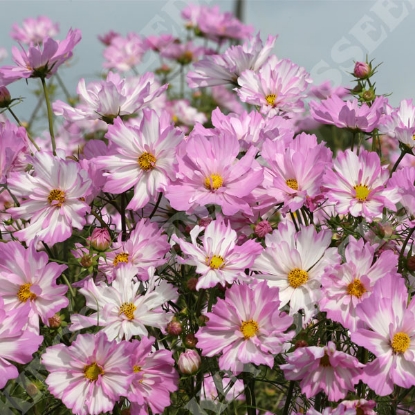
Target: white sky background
point(323, 36)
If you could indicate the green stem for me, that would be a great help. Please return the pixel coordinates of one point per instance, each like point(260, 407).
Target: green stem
point(395, 166)
point(50, 116)
point(18, 122)
point(249, 383)
point(289, 397)
point(294, 221)
point(156, 206)
point(64, 89)
point(402, 253)
point(123, 222)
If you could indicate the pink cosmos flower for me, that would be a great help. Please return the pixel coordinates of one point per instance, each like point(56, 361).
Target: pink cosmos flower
point(16, 343)
point(34, 30)
point(357, 185)
point(90, 375)
point(296, 169)
point(358, 407)
point(108, 37)
point(277, 87)
point(217, 26)
point(158, 42)
point(295, 262)
point(348, 114)
point(145, 247)
point(219, 260)
point(13, 146)
point(403, 181)
point(323, 369)
point(26, 278)
point(121, 309)
point(53, 199)
point(183, 114)
point(252, 128)
point(183, 53)
point(226, 99)
point(226, 68)
point(347, 285)
point(152, 379)
point(124, 54)
point(325, 90)
point(143, 158)
point(40, 61)
point(400, 124)
point(209, 172)
point(112, 98)
point(389, 334)
point(246, 327)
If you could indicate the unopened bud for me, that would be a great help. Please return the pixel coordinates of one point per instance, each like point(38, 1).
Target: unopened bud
point(410, 264)
point(174, 328)
point(100, 239)
point(5, 97)
point(368, 95)
point(362, 70)
point(55, 321)
point(191, 283)
point(190, 340)
point(189, 362)
point(300, 343)
point(86, 261)
point(262, 228)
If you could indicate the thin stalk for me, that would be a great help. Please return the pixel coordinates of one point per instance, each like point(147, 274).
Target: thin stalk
point(249, 383)
point(156, 206)
point(18, 122)
point(50, 116)
point(123, 222)
point(62, 85)
point(289, 397)
point(395, 166)
point(294, 221)
point(402, 253)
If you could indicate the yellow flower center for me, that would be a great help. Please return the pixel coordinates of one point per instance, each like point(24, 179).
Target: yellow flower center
point(213, 182)
point(400, 342)
point(58, 196)
point(215, 262)
point(25, 294)
point(362, 192)
point(271, 99)
point(292, 183)
point(128, 310)
point(249, 328)
point(136, 369)
point(123, 257)
point(325, 361)
point(356, 288)
point(92, 372)
point(146, 161)
point(297, 277)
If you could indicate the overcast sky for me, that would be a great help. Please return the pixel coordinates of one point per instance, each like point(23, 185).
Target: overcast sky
point(323, 36)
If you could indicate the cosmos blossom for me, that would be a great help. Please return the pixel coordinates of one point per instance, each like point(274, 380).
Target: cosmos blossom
point(245, 327)
point(41, 60)
point(323, 369)
point(209, 172)
point(219, 260)
point(27, 278)
point(53, 199)
point(90, 375)
point(389, 333)
point(34, 30)
point(142, 157)
point(295, 262)
point(357, 185)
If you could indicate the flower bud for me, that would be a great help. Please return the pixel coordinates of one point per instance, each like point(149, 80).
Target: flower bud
point(191, 283)
point(55, 321)
point(362, 70)
point(410, 264)
point(190, 340)
point(86, 261)
point(5, 97)
point(100, 239)
point(368, 95)
point(189, 362)
point(174, 328)
point(300, 343)
point(262, 228)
